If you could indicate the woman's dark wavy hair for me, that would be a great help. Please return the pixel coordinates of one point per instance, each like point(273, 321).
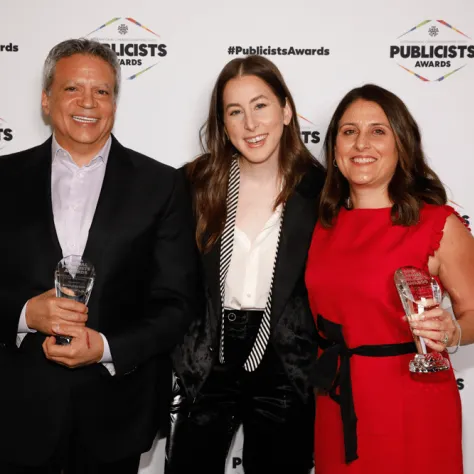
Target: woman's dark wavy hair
point(208, 174)
point(413, 182)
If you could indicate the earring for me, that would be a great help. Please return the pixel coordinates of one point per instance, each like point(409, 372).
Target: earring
point(334, 163)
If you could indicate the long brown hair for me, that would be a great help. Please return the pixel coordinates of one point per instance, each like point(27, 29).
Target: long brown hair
point(209, 172)
point(413, 182)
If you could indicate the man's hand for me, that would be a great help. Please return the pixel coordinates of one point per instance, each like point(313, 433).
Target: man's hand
point(45, 311)
point(87, 346)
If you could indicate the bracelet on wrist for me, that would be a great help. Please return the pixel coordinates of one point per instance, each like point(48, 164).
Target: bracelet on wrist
point(456, 347)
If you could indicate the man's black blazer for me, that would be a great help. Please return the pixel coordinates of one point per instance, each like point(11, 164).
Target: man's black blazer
point(142, 245)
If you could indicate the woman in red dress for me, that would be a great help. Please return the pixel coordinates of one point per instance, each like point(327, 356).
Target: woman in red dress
point(382, 208)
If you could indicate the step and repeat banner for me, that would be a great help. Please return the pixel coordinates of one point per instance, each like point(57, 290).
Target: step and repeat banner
point(172, 52)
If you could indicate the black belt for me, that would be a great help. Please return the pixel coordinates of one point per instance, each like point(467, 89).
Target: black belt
point(326, 375)
point(245, 316)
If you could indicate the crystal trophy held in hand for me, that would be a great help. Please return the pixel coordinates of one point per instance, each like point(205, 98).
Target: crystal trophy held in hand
point(73, 279)
point(420, 292)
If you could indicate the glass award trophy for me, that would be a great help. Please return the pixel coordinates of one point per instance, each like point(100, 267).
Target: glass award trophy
point(73, 279)
point(420, 292)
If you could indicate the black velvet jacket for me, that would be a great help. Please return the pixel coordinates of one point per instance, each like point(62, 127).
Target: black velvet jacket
point(293, 331)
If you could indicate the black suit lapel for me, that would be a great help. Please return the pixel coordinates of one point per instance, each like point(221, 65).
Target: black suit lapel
point(113, 191)
point(38, 194)
point(298, 224)
point(211, 263)
point(108, 213)
point(57, 251)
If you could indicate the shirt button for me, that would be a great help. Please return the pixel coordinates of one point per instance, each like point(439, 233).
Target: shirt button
point(248, 295)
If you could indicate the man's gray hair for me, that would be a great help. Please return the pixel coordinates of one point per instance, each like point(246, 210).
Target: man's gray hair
point(79, 46)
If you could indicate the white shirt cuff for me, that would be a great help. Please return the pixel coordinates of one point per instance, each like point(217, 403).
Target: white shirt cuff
point(23, 328)
point(106, 360)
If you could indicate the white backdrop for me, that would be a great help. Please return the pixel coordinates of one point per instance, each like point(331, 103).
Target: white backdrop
point(173, 51)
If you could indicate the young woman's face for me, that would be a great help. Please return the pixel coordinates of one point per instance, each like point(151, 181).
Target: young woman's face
point(254, 118)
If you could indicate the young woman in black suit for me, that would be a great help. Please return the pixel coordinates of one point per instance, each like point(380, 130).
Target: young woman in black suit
point(247, 359)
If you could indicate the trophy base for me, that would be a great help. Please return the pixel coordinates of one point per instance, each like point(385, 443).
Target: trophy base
point(428, 363)
point(63, 340)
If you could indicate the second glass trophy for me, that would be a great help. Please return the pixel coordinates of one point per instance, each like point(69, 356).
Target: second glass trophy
point(420, 292)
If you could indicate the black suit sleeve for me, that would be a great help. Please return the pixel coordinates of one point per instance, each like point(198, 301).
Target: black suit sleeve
point(12, 304)
point(173, 294)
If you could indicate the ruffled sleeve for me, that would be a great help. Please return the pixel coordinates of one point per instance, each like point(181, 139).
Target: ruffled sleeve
point(439, 216)
point(463, 220)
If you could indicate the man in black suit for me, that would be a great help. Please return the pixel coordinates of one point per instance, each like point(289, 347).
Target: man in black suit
point(94, 405)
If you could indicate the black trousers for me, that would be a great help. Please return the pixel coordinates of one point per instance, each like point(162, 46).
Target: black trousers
point(278, 425)
point(83, 465)
point(71, 457)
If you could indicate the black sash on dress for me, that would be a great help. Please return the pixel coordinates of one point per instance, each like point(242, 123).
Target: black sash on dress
point(328, 377)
